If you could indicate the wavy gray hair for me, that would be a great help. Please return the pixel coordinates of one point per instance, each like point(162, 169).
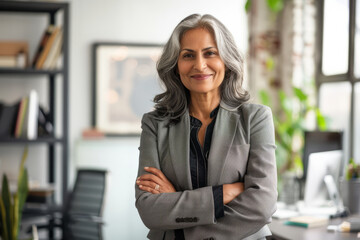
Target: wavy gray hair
point(174, 101)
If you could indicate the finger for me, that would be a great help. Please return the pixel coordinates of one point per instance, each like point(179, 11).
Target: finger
point(156, 172)
point(151, 177)
point(150, 184)
point(148, 189)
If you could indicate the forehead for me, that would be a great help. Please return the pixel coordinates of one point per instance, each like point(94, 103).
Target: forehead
point(198, 37)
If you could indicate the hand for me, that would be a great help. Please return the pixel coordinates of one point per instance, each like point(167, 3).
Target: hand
point(155, 183)
point(231, 191)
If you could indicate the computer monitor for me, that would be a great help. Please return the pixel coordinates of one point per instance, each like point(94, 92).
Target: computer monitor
point(320, 165)
point(319, 141)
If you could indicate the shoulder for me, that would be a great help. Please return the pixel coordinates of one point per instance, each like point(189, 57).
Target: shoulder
point(154, 119)
point(254, 110)
point(255, 115)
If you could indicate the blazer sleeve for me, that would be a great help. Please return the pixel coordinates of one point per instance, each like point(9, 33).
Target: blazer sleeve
point(253, 208)
point(164, 211)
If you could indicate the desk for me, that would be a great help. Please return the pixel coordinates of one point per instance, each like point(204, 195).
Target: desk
point(282, 232)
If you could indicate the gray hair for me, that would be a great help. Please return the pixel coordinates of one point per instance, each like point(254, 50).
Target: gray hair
point(174, 101)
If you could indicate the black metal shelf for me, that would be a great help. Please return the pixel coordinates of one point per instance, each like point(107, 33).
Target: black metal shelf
point(31, 7)
point(51, 9)
point(46, 140)
point(30, 71)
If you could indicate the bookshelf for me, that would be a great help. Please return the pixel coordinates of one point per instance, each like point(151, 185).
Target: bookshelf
point(51, 9)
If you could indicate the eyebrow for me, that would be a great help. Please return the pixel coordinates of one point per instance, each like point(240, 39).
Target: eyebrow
point(190, 50)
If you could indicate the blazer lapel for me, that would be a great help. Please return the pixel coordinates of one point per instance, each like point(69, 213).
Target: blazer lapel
point(222, 138)
point(179, 143)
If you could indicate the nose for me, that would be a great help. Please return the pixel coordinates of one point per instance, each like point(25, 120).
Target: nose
point(200, 63)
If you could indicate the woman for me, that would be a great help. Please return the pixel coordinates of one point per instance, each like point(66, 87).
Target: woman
point(207, 158)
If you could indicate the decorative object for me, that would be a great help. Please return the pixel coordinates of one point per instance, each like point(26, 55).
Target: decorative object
point(11, 205)
point(350, 187)
point(125, 82)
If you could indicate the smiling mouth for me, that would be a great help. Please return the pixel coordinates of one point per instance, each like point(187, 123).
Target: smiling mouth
point(201, 76)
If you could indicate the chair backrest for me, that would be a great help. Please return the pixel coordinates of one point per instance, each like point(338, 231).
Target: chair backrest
point(86, 199)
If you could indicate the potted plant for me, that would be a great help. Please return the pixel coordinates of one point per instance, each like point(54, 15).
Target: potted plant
point(350, 187)
point(11, 205)
point(290, 113)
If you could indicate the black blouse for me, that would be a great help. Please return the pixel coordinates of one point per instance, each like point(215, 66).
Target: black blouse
point(199, 164)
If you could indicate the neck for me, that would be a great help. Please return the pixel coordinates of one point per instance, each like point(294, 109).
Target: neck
point(201, 105)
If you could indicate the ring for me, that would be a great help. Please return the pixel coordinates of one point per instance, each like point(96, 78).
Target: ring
point(157, 187)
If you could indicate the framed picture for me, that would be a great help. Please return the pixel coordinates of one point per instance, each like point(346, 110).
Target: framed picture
point(125, 83)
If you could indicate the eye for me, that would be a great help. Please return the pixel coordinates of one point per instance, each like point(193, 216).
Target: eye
point(188, 55)
point(210, 53)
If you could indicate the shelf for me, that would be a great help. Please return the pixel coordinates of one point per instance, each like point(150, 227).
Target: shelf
point(31, 7)
point(57, 13)
point(48, 140)
point(29, 71)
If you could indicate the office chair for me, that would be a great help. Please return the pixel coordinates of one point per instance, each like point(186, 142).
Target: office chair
point(82, 214)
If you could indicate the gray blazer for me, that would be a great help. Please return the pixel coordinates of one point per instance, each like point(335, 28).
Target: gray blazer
point(242, 149)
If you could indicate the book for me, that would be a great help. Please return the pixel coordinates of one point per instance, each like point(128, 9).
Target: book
point(41, 195)
point(43, 41)
point(48, 45)
point(8, 115)
point(8, 61)
point(54, 52)
point(30, 122)
point(20, 117)
point(307, 221)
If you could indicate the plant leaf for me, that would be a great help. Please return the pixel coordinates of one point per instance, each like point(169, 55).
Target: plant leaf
point(22, 190)
point(300, 94)
point(264, 97)
point(22, 194)
point(22, 164)
point(4, 233)
point(247, 5)
point(275, 5)
point(321, 121)
point(8, 208)
point(16, 222)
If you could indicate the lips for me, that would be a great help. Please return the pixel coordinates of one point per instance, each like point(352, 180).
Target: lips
point(201, 76)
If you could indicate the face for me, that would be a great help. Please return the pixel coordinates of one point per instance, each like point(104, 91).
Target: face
point(200, 67)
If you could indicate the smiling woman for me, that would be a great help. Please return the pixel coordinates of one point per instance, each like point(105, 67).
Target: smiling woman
point(207, 157)
point(200, 67)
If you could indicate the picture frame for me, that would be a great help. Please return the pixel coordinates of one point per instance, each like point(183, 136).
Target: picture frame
point(125, 81)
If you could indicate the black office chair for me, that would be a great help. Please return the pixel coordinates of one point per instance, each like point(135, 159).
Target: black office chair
point(82, 214)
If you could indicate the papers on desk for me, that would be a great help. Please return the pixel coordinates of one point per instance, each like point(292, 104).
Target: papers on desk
point(307, 221)
point(285, 214)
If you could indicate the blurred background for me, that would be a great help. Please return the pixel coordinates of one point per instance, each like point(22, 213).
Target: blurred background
point(302, 59)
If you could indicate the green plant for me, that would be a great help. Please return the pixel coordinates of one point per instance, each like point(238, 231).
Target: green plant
point(289, 122)
point(274, 5)
point(353, 170)
point(11, 205)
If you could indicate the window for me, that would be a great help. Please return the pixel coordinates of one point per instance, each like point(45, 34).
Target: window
point(338, 69)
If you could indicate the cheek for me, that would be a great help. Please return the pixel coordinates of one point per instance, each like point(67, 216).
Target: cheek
point(182, 67)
